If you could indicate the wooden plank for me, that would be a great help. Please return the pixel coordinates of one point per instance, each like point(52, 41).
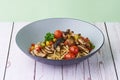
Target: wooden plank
point(101, 64)
point(97, 68)
point(78, 71)
point(48, 72)
point(114, 36)
point(20, 66)
point(69, 72)
point(5, 33)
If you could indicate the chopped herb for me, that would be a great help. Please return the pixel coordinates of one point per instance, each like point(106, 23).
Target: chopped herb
point(49, 36)
point(92, 46)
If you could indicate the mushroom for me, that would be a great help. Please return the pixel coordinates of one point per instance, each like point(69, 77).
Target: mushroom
point(47, 48)
point(48, 51)
point(83, 48)
point(81, 41)
point(41, 54)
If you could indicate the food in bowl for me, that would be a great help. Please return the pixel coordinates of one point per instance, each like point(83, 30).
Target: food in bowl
point(62, 45)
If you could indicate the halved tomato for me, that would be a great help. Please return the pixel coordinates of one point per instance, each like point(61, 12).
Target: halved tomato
point(58, 34)
point(69, 56)
point(74, 49)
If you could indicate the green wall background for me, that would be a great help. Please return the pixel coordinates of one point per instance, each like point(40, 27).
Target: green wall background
point(32, 10)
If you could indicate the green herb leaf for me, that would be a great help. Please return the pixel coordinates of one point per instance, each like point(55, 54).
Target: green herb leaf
point(49, 36)
point(92, 46)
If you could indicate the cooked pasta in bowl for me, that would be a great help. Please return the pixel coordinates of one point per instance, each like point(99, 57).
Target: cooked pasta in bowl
point(59, 41)
point(62, 45)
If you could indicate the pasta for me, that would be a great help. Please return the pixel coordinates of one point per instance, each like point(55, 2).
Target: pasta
point(62, 45)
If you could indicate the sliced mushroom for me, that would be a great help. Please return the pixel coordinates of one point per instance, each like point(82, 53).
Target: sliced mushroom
point(41, 54)
point(81, 41)
point(84, 53)
point(48, 51)
point(83, 48)
point(43, 51)
point(47, 48)
point(32, 52)
point(80, 54)
point(35, 52)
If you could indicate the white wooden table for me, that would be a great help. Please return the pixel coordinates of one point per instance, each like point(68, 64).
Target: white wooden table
point(104, 65)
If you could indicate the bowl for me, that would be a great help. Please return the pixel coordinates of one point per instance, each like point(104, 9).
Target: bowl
point(35, 31)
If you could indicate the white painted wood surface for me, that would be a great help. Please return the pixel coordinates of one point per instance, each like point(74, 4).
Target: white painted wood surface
point(101, 64)
point(114, 36)
point(104, 65)
point(48, 72)
point(20, 67)
point(5, 31)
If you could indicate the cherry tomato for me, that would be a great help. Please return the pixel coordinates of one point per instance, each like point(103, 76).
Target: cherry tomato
point(69, 56)
point(32, 47)
point(38, 48)
point(58, 34)
point(74, 49)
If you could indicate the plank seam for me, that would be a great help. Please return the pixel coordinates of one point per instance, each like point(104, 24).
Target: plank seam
point(34, 76)
point(8, 51)
point(111, 50)
point(62, 72)
point(89, 68)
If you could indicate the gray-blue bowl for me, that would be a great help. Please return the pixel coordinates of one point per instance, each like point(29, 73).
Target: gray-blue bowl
point(34, 32)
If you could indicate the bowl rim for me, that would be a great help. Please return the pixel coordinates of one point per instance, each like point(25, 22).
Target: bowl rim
point(90, 54)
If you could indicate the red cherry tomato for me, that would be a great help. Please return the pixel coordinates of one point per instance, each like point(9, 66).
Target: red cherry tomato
point(69, 56)
point(58, 34)
point(38, 48)
point(74, 49)
point(32, 47)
